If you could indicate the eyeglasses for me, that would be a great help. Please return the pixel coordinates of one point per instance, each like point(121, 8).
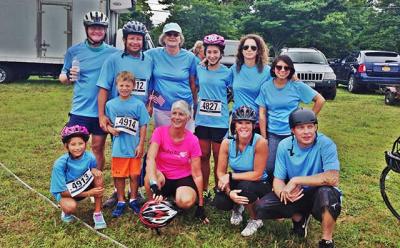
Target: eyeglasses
point(280, 67)
point(253, 48)
point(175, 34)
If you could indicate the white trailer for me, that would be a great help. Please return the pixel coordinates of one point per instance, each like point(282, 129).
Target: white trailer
point(35, 34)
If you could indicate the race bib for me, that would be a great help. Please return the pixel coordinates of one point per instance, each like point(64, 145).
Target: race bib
point(78, 185)
point(140, 87)
point(210, 107)
point(126, 124)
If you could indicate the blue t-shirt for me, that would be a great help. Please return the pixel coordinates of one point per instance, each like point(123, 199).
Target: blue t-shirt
point(67, 169)
point(171, 76)
point(243, 161)
point(280, 102)
point(212, 109)
point(124, 145)
point(319, 157)
point(84, 101)
point(141, 67)
point(247, 84)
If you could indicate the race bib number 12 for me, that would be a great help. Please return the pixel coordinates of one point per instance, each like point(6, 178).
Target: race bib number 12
point(140, 87)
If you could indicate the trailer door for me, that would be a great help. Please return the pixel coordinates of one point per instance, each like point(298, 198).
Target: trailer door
point(55, 29)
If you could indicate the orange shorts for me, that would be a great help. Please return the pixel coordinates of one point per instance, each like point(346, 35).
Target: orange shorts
point(125, 167)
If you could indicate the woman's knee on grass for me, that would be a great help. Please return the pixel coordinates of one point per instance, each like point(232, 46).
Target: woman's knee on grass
point(185, 197)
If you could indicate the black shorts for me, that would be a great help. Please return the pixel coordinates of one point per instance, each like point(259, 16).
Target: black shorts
point(211, 133)
point(170, 186)
point(91, 123)
point(314, 201)
point(253, 190)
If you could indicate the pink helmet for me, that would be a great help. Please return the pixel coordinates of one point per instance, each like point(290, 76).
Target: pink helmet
point(74, 131)
point(156, 215)
point(214, 39)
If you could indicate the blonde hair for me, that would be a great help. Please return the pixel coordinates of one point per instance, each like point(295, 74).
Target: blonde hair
point(126, 76)
point(182, 105)
point(162, 42)
point(197, 47)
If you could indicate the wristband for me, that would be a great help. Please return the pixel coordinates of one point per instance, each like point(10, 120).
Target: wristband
point(230, 177)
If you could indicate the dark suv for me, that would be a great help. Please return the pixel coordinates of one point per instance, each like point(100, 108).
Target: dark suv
point(368, 69)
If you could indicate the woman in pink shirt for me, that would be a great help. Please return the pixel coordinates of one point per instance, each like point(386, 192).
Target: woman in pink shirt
point(173, 163)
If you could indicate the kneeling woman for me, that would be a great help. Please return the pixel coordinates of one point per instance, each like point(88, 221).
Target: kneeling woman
point(246, 155)
point(173, 163)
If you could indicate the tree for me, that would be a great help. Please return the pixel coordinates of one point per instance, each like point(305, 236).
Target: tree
point(142, 13)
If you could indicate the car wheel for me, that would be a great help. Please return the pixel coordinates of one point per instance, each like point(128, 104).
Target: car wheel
point(330, 94)
point(6, 74)
point(390, 98)
point(352, 86)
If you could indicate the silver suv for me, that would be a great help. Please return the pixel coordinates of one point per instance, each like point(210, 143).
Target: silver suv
point(313, 69)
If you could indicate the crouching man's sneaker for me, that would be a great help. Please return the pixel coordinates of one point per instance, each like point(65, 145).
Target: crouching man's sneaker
point(236, 217)
point(252, 227)
point(300, 228)
point(99, 222)
point(326, 243)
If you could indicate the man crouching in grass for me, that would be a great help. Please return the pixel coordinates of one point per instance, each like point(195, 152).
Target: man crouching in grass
point(306, 179)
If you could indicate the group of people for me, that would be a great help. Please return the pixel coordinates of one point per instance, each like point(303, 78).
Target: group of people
point(268, 156)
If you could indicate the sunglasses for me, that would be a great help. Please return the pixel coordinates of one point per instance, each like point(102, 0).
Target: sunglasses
point(280, 67)
point(246, 47)
point(175, 34)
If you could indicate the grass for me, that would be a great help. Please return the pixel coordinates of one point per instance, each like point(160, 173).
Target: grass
point(33, 112)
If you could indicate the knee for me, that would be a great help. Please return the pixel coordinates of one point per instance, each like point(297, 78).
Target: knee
point(205, 155)
point(68, 206)
point(98, 181)
point(185, 201)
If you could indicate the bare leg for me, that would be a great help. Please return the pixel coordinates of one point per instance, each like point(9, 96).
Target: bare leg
point(205, 146)
point(68, 205)
point(98, 182)
point(134, 185)
point(215, 150)
point(120, 184)
point(328, 225)
point(98, 143)
point(185, 197)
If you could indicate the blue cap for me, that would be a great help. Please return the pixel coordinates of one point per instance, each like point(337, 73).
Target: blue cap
point(172, 26)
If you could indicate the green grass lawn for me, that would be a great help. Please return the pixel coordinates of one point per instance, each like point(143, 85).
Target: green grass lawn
point(32, 114)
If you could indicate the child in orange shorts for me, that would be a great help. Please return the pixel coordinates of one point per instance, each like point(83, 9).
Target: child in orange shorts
point(129, 119)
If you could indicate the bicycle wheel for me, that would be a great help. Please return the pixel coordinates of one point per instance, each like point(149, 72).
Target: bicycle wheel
point(390, 190)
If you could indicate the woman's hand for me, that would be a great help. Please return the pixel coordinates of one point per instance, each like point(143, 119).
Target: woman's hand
point(233, 194)
point(223, 182)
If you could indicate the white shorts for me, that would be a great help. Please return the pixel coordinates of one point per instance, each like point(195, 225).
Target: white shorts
point(163, 118)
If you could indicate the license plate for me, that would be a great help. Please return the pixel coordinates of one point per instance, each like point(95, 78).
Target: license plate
point(311, 84)
point(385, 68)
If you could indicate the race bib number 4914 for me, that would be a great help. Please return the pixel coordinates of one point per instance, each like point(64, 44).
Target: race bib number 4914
point(126, 124)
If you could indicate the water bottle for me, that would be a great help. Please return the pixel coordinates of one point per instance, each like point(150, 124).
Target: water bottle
point(75, 65)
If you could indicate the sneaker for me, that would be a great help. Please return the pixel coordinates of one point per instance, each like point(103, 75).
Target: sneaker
point(110, 202)
point(99, 222)
point(323, 243)
point(134, 205)
point(300, 228)
point(119, 209)
point(236, 217)
point(67, 218)
point(252, 227)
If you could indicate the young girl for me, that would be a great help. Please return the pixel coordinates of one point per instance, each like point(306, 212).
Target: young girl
point(75, 177)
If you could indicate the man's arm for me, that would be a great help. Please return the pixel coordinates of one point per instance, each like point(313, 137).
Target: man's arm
point(101, 102)
point(327, 178)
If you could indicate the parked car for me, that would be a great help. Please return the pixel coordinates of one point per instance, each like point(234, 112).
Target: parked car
point(231, 48)
point(313, 69)
point(368, 69)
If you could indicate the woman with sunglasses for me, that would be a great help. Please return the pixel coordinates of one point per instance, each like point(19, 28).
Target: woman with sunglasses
point(250, 72)
point(278, 97)
point(173, 75)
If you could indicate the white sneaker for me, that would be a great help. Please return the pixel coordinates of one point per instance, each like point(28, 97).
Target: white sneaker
point(251, 228)
point(236, 217)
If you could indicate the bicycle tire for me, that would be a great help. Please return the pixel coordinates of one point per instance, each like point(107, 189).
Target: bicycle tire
point(390, 185)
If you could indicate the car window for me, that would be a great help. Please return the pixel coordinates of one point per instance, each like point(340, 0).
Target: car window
point(231, 48)
point(381, 57)
point(351, 59)
point(307, 57)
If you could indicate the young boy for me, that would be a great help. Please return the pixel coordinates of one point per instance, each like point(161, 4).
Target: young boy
point(129, 119)
point(75, 177)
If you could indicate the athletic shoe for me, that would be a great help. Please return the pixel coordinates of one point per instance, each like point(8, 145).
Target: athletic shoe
point(323, 243)
point(300, 228)
point(134, 205)
point(67, 218)
point(119, 209)
point(251, 228)
point(236, 217)
point(99, 222)
point(110, 202)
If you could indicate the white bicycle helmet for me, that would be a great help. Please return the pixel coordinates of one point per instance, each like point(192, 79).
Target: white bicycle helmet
point(156, 215)
point(95, 18)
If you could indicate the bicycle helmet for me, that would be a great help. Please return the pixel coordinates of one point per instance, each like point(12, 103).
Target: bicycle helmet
point(214, 39)
point(302, 116)
point(244, 113)
point(156, 215)
point(74, 131)
point(134, 27)
point(95, 18)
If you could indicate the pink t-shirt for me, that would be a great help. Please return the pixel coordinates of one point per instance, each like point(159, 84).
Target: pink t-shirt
point(173, 159)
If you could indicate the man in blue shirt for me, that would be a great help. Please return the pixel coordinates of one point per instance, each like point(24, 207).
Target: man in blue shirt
point(306, 179)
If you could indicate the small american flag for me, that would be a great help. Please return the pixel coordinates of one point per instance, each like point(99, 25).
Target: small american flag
point(157, 98)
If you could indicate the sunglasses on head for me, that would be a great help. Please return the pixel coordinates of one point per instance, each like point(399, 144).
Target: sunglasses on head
point(280, 67)
point(246, 47)
point(175, 34)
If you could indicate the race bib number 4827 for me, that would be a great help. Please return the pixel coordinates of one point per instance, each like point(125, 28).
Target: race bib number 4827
point(210, 107)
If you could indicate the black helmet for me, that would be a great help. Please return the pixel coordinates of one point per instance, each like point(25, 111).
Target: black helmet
point(95, 18)
point(244, 113)
point(134, 27)
point(302, 116)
